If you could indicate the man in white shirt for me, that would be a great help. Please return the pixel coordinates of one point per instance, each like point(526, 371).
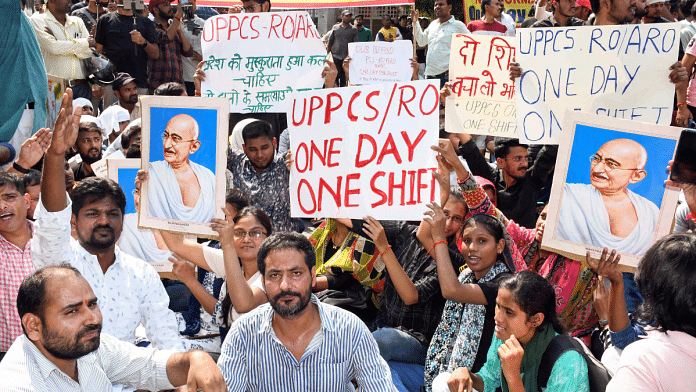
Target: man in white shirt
point(129, 290)
point(438, 37)
point(64, 42)
point(63, 349)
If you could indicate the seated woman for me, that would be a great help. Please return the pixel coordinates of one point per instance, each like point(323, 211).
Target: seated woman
point(573, 281)
point(525, 324)
point(464, 334)
point(349, 269)
point(666, 360)
point(240, 239)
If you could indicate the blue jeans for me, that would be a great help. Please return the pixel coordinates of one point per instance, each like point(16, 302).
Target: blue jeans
point(396, 345)
point(407, 377)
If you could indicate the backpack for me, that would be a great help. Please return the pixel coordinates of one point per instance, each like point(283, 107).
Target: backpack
point(598, 375)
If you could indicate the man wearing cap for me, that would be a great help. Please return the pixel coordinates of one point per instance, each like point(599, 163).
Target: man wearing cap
point(583, 9)
point(341, 35)
point(64, 42)
point(562, 15)
point(172, 44)
point(654, 12)
point(125, 89)
point(127, 47)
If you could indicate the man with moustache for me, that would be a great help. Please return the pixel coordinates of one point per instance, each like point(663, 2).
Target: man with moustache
point(295, 342)
point(518, 178)
point(178, 188)
point(125, 88)
point(364, 34)
point(562, 15)
point(262, 175)
point(129, 290)
point(63, 349)
point(88, 145)
point(605, 213)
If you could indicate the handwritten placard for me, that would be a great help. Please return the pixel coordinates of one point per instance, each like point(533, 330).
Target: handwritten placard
point(364, 151)
point(258, 60)
point(380, 62)
point(614, 71)
point(482, 100)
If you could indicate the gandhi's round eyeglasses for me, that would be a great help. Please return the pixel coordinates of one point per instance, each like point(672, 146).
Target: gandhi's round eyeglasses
point(609, 164)
point(174, 139)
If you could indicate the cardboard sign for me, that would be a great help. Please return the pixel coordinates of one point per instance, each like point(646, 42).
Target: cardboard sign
point(364, 151)
point(380, 62)
point(613, 71)
point(517, 9)
point(482, 100)
point(258, 60)
point(608, 188)
point(184, 149)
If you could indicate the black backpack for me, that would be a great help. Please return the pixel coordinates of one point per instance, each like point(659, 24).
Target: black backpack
point(598, 375)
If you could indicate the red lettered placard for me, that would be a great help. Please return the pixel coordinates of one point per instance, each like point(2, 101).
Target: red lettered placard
point(364, 151)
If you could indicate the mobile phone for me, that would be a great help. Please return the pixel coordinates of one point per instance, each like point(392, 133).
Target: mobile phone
point(182, 2)
point(684, 167)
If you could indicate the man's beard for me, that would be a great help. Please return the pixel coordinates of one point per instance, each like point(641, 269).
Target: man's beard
point(262, 167)
point(291, 310)
point(59, 348)
point(93, 242)
point(90, 160)
point(133, 99)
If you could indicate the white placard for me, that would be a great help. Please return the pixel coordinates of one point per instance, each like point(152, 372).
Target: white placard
point(258, 60)
point(380, 62)
point(614, 71)
point(364, 151)
point(482, 100)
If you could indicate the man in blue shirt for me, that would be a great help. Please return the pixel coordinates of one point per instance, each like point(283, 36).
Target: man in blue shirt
point(294, 342)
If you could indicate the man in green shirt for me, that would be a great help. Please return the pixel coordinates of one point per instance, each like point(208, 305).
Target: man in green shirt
point(364, 34)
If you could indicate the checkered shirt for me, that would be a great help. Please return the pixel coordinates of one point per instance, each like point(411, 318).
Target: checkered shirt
point(15, 265)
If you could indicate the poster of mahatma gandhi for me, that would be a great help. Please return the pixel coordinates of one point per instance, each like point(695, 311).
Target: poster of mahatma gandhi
point(608, 188)
point(184, 152)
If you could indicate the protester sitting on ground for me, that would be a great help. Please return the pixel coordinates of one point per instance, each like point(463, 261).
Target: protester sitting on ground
point(63, 349)
point(86, 106)
point(241, 236)
point(573, 281)
point(411, 303)
point(465, 331)
point(129, 290)
point(666, 360)
point(206, 302)
point(295, 341)
point(525, 324)
point(15, 254)
point(349, 269)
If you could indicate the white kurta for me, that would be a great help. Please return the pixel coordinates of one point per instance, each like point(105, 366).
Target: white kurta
point(141, 243)
point(165, 196)
point(584, 219)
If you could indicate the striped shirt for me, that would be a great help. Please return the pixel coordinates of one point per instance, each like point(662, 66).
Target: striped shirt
point(26, 369)
point(254, 359)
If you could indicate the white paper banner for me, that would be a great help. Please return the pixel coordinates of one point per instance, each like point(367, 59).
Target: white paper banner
point(482, 100)
point(364, 151)
point(259, 60)
point(380, 62)
point(614, 71)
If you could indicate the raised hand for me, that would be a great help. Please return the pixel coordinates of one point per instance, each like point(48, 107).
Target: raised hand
point(606, 265)
point(66, 126)
point(198, 77)
point(32, 149)
point(224, 227)
point(437, 220)
point(182, 269)
point(375, 231)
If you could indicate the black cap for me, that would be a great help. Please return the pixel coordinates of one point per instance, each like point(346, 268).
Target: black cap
point(123, 79)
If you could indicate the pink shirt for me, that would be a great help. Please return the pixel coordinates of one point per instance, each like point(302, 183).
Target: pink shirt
point(691, 92)
point(15, 265)
point(661, 362)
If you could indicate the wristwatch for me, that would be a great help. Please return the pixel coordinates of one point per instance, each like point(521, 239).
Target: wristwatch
point(603, 323)
point(144, 45)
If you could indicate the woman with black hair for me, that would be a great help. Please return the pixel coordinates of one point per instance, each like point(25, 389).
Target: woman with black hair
point(525, 324)
point(666, 360)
